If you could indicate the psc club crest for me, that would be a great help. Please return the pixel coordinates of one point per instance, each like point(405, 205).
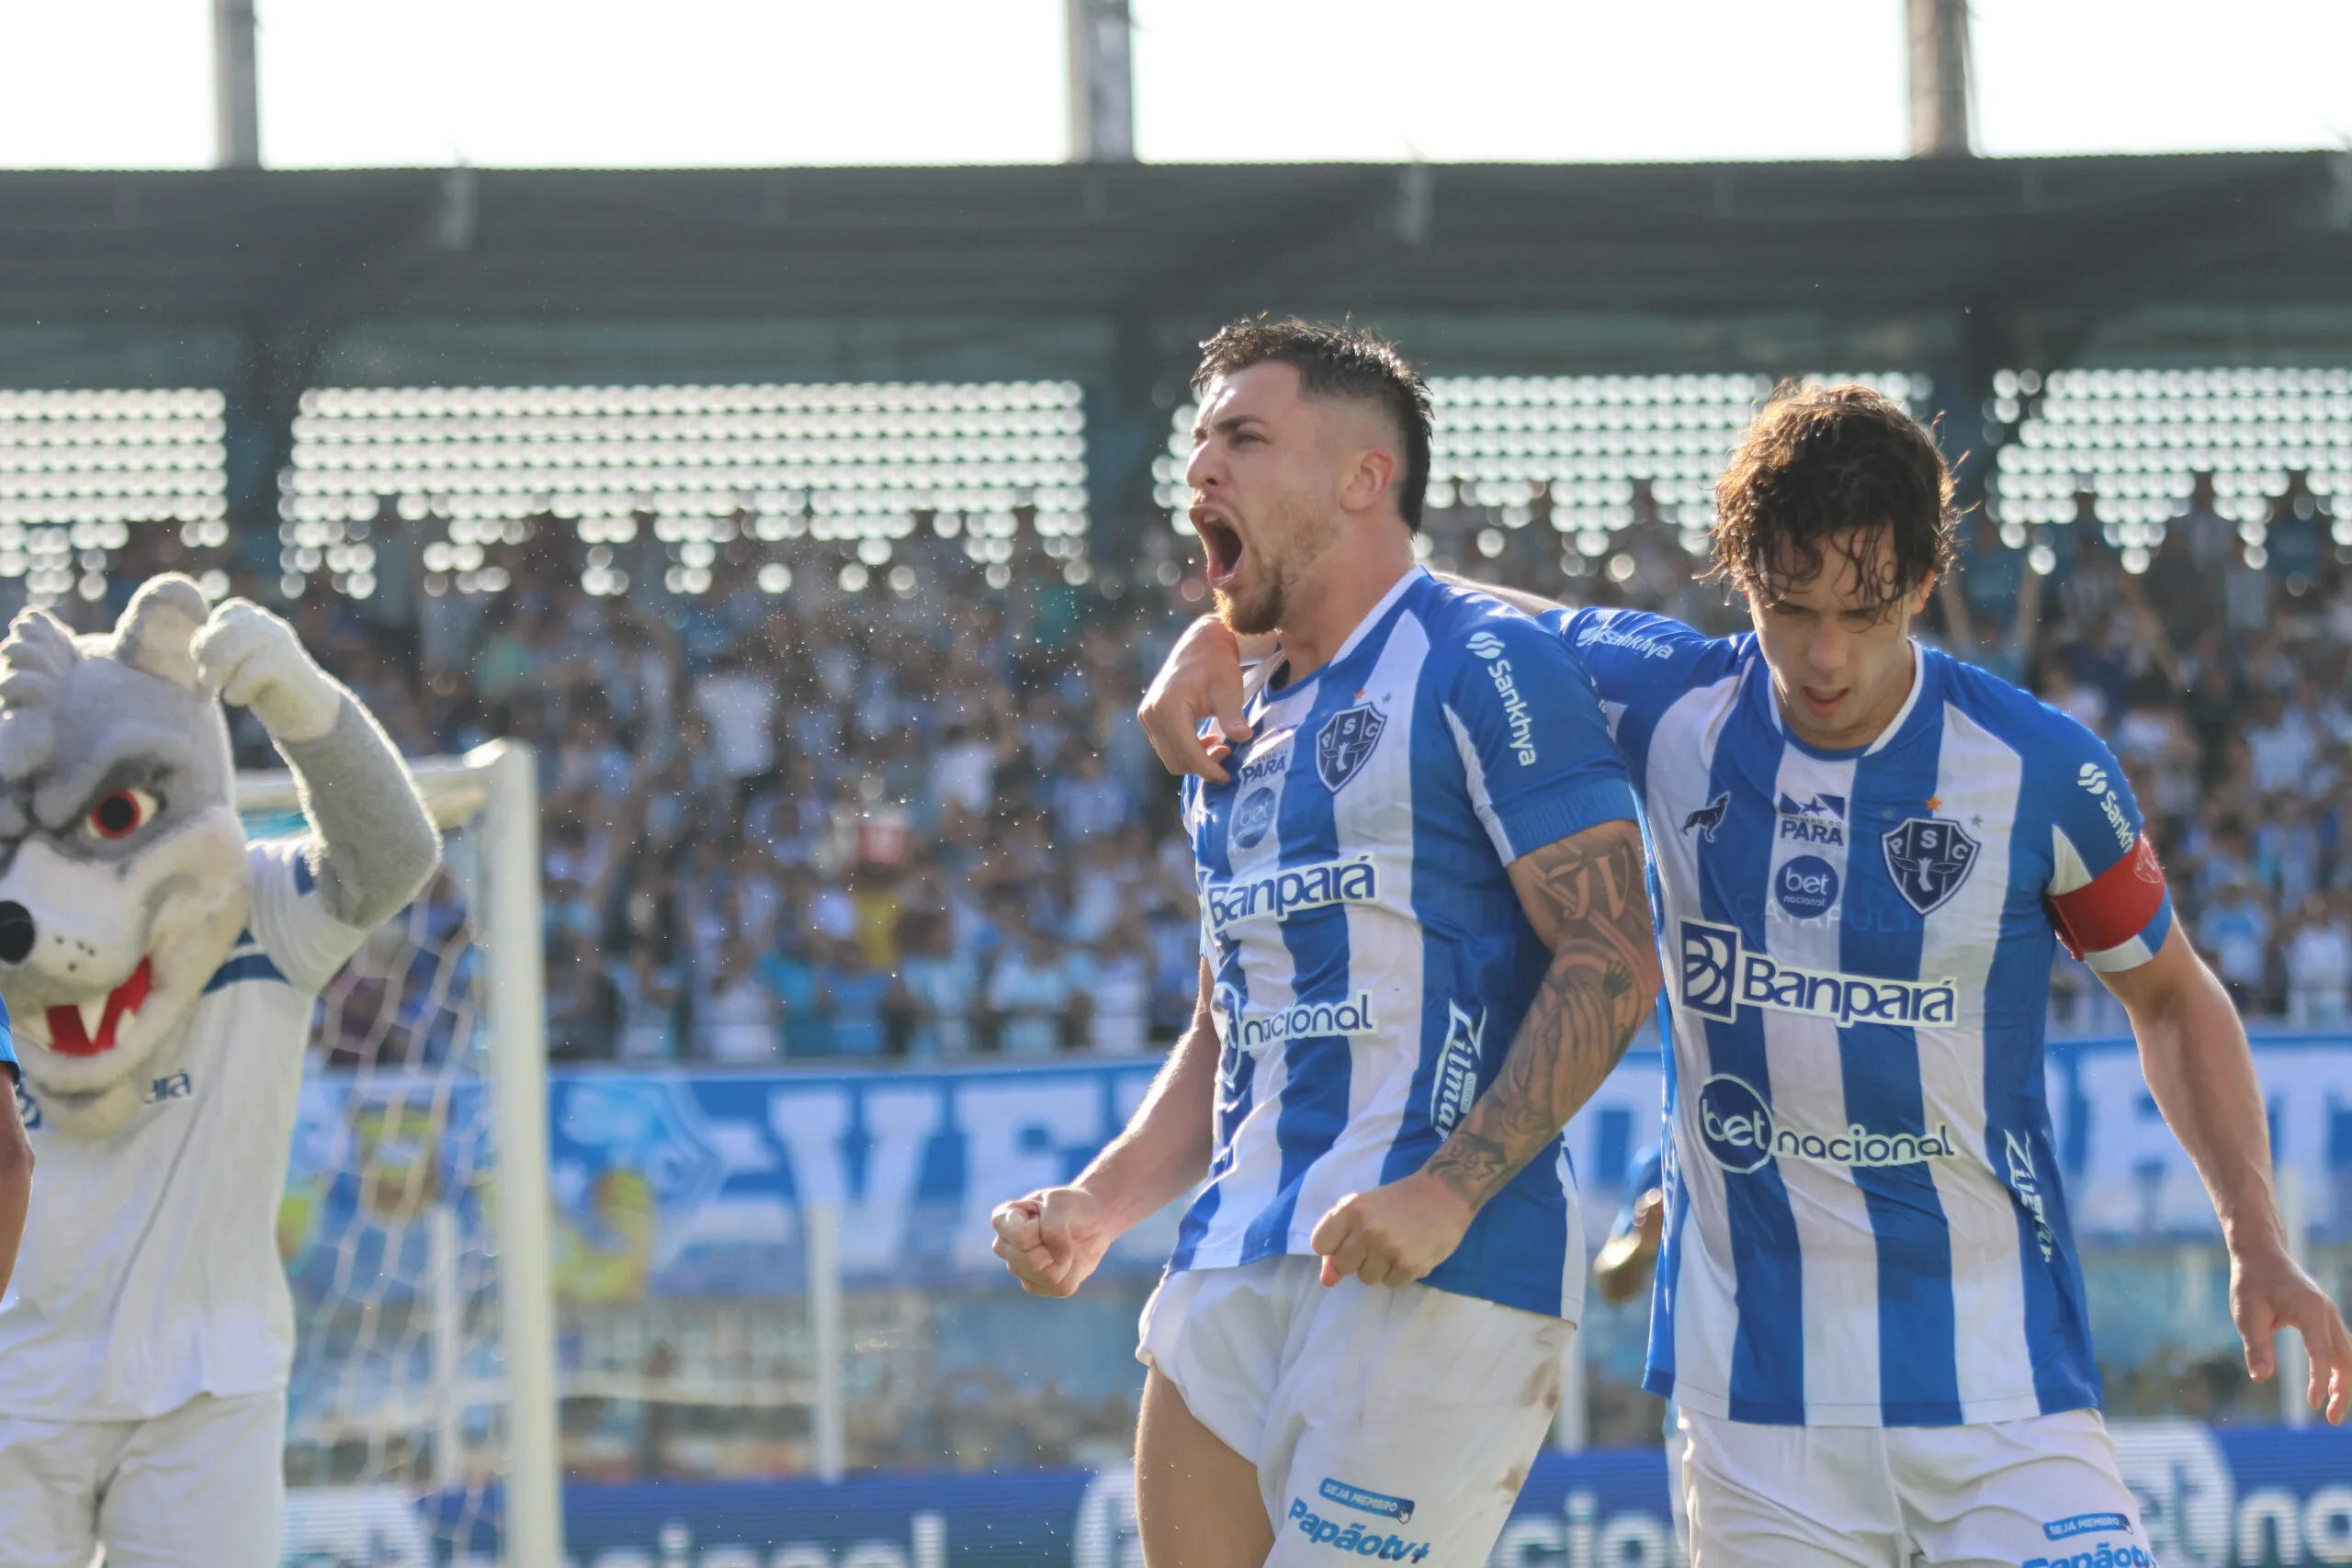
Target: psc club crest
point(1345, 743)
point(1930, 858)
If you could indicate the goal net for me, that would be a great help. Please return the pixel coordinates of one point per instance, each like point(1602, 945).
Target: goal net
point(421, 1422)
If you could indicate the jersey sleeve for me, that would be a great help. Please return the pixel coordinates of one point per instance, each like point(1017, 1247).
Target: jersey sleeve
point(1639, 660)
point(2106, 895)
point(9, 1045)
point(289, 921)
point(1535, 749)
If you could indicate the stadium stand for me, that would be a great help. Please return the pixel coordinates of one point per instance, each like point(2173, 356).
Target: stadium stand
point(840, 768)
point(80, 469)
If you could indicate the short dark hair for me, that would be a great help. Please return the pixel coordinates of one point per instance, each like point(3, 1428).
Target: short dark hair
point(1343, 361)
point(1818, 461)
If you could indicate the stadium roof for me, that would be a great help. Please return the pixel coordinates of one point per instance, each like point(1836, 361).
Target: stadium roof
point(2064, 244)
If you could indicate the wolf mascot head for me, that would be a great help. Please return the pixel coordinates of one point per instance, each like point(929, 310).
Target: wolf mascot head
point(122, 862)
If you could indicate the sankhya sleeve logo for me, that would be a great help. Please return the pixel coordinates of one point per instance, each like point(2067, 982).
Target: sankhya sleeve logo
point(1487, 644)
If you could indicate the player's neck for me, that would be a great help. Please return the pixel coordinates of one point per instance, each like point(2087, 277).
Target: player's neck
point(1332, 598)
point(1863, 731)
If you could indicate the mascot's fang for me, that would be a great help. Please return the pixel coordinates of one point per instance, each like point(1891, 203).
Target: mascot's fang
point(69, 1027)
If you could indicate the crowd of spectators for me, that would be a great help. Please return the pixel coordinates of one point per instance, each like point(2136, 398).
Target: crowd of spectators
point(815, 824)
point(826, 825)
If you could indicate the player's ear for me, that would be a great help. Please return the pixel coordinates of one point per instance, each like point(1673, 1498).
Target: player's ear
point(1371, 479)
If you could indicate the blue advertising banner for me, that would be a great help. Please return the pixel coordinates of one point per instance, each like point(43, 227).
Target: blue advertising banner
point(691, 1183)
point(2210, 1498)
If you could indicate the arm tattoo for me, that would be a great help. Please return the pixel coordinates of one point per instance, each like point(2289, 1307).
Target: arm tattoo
point(1586, 898)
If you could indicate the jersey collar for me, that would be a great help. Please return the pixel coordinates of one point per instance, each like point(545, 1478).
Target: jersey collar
point(1273, 664)
point(1895, 727)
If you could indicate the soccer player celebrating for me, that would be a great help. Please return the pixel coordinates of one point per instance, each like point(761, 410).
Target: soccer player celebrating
point(1868, 1304)
point(1425, 942)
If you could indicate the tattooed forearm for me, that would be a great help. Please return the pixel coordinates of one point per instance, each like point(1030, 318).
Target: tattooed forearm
point(1586, 898)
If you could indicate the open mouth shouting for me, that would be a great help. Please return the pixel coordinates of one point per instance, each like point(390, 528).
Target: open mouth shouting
point(1221, 543)
point(88, 1028)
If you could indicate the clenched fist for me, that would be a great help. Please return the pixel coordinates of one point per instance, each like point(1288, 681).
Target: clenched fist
point(1052, 1239)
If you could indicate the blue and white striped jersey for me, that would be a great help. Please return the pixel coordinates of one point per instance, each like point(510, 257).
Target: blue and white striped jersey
point(1369, 958)
point(1864, 1223)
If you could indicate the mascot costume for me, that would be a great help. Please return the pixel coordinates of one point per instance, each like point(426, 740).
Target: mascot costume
point(162, 974)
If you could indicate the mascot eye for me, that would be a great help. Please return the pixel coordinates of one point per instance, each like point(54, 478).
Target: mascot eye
point(122, 813)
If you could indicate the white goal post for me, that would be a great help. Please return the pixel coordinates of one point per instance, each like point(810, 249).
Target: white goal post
point(487, 804)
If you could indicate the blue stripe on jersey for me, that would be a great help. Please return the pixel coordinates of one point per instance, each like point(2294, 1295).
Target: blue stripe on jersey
point(1661, 1358)
point(1319, 1069)
point(1883, 934)
point(2016, 1105)
point(245, 966)
point(302, 879)
point(1236, 1067)
point(1768, 1356)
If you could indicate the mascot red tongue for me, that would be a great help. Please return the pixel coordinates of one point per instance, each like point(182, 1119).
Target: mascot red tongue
point(68, 1035)
point(147, 1337)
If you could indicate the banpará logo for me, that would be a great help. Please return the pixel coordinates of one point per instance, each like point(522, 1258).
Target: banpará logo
point(1262, 1032)
point(1353, 1539)
point(1487, 644)
point(1600, 632)
point(1741, 1134)
point(1721, 975)
point(1279, 894)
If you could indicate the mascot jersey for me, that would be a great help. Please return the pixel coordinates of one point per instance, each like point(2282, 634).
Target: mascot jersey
point(150, 1271)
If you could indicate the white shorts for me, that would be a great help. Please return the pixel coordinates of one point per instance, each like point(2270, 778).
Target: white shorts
point(202, 1486)
point(2040, 1492)
point(1393, 1422)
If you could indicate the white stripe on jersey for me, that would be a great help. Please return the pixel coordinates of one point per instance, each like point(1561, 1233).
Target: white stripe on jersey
point(1383, 954)
point(1706, 1316)
point(1253, 1176)
point(1830, 1212)
point(1977, 780)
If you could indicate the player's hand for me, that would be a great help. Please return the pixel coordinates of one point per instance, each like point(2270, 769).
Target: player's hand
point(1622, 1269)
point(255, 660)
point(2269, 1293)
point(1392, 1235)
point(1052, 1239)
point(1201, 680)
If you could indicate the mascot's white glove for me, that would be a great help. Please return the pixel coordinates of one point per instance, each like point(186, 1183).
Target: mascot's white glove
point(255, 660)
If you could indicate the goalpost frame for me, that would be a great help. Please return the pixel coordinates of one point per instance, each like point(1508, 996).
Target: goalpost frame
point(498, 783)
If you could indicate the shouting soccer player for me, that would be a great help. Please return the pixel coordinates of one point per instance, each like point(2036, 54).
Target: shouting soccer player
point(1868, 1305)
point(1426, 941)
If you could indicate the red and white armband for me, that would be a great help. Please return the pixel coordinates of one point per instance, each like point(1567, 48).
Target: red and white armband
point(2117, 920)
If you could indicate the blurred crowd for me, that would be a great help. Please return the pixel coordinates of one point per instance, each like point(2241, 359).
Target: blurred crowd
point(2216, 661)
point(815, 825)
point(828, 825)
